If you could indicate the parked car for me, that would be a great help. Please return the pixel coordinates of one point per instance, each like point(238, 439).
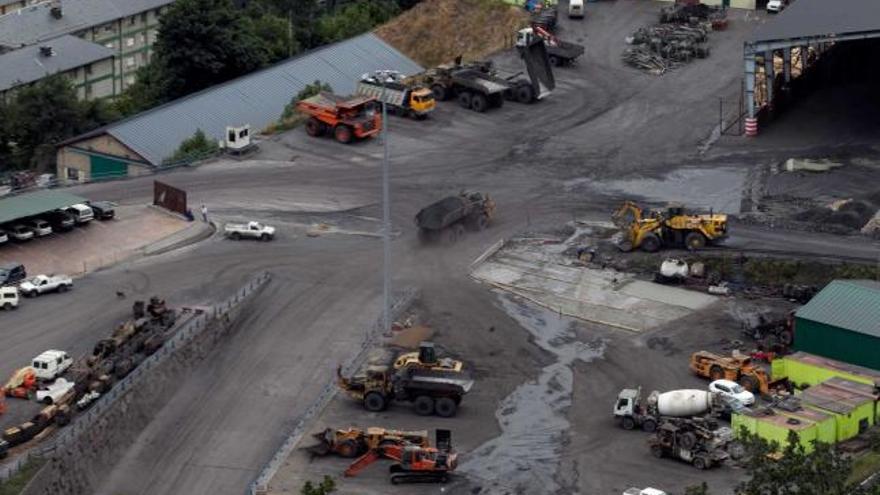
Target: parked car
point(41, 284)
point(53, 393)
point(104, 210)
point(732, 391)
point(20, 232)
point(11, 273)
point(8, 298)
point(60, 220)
point(254, 230)
point(51, 364)
point(776, 6)
point(3, 237)
point(81, 213)
point(39, 226)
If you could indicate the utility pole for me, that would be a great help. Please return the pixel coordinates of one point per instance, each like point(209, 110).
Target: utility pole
point(386, 221)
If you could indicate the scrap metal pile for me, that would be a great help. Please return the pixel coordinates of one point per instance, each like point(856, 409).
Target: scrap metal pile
point(680, 38)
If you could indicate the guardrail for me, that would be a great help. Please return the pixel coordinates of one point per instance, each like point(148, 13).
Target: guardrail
point(260, 485)
point(183, 336)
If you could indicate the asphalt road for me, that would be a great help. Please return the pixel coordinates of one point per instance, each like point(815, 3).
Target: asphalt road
point(604, 121)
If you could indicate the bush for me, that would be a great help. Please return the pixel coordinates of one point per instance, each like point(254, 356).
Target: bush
point(195, 148)
point(326, 487)
point(290, 118)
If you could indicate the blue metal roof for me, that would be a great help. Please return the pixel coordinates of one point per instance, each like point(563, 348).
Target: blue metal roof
point(257, 99)
point(849, 304)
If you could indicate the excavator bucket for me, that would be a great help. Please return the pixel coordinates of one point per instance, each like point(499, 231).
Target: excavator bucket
point(538, 66)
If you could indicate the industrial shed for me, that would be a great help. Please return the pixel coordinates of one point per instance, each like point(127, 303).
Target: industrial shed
point(812, 43)
point(842, 322)
point(144, 142)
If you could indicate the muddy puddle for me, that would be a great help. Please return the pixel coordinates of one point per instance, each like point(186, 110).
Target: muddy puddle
point(525, 458)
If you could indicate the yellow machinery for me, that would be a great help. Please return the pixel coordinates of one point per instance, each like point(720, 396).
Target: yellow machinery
point(666, 228)
point(353, 442)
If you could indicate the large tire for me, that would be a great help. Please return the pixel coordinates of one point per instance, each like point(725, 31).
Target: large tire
point(440, 93)
point(235, 236)
point(555, 61)
point(343, 134)
point(701, 462)
point(374, 402)
point(478, 222)
point(687, 440)
point(7, 306)
point(464, 99)
point(749, 383)
point(786, 337)
point(445, 407)
point(63, 288)
point(716, 372)
point(651, 243)
point(314, 127)
point(525, 93)
point(264, 237)
point(649, 426)
point(628, 423)
point(695, 241)
point(657, 451)
point(424, 405)
point(479, 103)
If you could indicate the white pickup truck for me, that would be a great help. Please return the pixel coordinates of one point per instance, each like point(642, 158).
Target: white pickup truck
point(254, 230)
point(42, 284)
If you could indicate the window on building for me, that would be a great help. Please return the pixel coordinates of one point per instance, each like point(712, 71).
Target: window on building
point(145, 38)
point(132, 20)
point(129, 80)
point(144, 18)
point(88, 90)
point(129, 42)
point(71, 173)
point(129, 61)
point(88, 69)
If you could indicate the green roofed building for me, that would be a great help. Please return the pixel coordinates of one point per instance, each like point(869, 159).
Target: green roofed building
point(20, 206)
point(842, 322)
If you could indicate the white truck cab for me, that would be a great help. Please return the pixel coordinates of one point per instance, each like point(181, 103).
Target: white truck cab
point(81, 213)
point(254, 230)
point(8, 298)
point(50, 364)
point(576, 9)
point(42, 284)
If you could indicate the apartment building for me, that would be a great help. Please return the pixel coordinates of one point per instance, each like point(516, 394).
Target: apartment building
point(127, 27)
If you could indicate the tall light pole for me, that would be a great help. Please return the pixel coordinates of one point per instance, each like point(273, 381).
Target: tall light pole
point(386, 219)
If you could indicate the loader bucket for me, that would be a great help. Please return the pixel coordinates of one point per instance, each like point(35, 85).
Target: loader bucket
point(538, 66)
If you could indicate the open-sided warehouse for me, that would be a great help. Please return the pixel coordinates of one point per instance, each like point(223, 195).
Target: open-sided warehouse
point(808, 36)
point(842, 322)
point(35, 203)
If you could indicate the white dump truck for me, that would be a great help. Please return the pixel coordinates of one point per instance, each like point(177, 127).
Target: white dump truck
point(41, 284)
point(631, 410)
point(253, 230)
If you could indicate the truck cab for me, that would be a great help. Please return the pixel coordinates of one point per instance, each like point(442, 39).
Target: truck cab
point(8, 298)
point(627, 403)
point(575, 9)
point(421, 101)
point(81, 213)
point(50, 364)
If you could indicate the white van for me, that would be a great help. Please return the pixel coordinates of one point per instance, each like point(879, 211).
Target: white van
point(81, 213)
point(575, 9)
point(50, 364)
point(8, 297)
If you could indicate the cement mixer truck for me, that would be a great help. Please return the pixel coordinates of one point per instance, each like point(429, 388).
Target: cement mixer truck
point(632, 411)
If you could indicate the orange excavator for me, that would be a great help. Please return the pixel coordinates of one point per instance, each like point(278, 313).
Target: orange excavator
point(413, 463)
point(22, 384)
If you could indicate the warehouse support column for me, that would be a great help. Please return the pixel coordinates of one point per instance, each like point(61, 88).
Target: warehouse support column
point(769, 76)
point(786, 63)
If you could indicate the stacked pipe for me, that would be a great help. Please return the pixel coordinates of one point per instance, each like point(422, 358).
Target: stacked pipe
point(657, 49)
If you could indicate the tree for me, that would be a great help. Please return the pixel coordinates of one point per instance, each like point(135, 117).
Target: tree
point(205, 42)
point(701, 489)
point(194, 148)
point(326, 487)
point(355, 18)
point(149, 90)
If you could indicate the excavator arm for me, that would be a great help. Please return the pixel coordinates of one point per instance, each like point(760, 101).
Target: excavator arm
point(393, 452)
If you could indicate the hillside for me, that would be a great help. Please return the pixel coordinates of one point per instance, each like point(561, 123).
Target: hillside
point(437, 31)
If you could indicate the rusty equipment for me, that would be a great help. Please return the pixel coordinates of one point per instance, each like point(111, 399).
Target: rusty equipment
point(22, 384)
point(413, 463)
point(354, 442)
point(738, 368)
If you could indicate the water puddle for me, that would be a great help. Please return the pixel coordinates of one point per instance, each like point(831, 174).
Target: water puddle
point(526, 456)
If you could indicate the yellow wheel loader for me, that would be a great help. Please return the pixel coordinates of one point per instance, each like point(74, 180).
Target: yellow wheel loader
point(672, 227)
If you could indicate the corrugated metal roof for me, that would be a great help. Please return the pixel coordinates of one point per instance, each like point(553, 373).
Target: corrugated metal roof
point(257, 99)
point(805, 18)
point(35, 23)
point(29, 204)
point(837, 399)
point(28, 64)
point(850, 304)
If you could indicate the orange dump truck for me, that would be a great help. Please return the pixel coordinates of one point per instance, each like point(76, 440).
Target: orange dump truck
point(347, 119)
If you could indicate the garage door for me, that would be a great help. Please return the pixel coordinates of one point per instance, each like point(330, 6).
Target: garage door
point(103, 167)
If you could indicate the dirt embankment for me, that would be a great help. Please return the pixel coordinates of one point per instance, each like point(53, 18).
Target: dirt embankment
point(436, 31)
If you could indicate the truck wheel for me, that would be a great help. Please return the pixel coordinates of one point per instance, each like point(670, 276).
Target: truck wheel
point(479, 222)
point(555, 61)
point(695, 241)
point(63, 288)
point(786, 337)
point(445, 407)
point(7, 306)
point(374, 402)
point(749, 383)
point(439, 92)
point(343, 134)
point(47, 401)
point(649, 426)
point(657, 451)
point(479, 103)
point(424, 405)
point(264, 237)
point(450, 236)
point(464, 99)
point(687, 440)
point(716, 373)
point(651, 243)
point(235, 236)
point(701, 462)
point(314, 127)
point(525, 94)
point(628, 423)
